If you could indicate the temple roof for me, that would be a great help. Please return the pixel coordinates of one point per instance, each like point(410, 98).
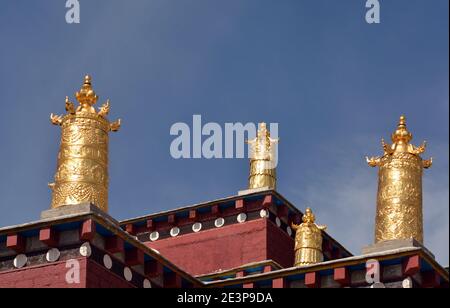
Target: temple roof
point(279, 202)
point(396, 264)
point(100, 230)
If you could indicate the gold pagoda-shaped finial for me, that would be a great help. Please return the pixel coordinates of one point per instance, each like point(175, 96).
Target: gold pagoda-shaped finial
point(399, 199)
point(86, 96)
point(82, 170)
point(308, 240)
point(262, 160)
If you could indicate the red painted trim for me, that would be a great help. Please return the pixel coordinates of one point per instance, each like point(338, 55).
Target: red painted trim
point(192, 215)
point(267, 201)
point(87, 231)
point(16, 242)
point(267, 268)
point(411, 265)
point(134, 257)
point(154, 269)
point(342, 276)
point(49, 237)
point(282, 211)
point(312, 280)
point(239, 205)
point(172, 280)
point(279, 283)
point(240, 274)
point(431, 279)
point(150, 224)
point(114, 244)
point(172, 219)
point(215, 209)
point(130, 229)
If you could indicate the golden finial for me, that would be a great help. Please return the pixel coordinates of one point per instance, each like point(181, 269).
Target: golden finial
point(399, 201)
point(309, 217)
point(86, 96)
point(401, 135)
point(400, 144)
point(262, 160)
point(308, 240)
point(82, 171)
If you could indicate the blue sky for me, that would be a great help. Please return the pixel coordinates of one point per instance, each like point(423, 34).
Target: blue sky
point(334, 83)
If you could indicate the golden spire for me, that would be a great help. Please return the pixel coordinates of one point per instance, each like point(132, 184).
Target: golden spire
point(399, 199)
point(262, 160)
point(82, 170)
point(308, 240)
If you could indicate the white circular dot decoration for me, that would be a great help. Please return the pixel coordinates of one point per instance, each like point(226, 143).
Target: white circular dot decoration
point(278, 221)
point(107, 261)
point(147, 284)
point(128, 274)
point(174, 231)
point(154, 236)
point(20, 261)
point(219, 222)
point(86, 250)
point(378, 285)
point(242, 217)
point(289, 231)
point(263, 213)
point(407, 283)
point(196, 227)
point(52, 255)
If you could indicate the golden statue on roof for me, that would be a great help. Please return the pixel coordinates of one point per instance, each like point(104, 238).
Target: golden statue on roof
point(262, 160)
point(308, 240)
point(82, 169)
point(399, 199)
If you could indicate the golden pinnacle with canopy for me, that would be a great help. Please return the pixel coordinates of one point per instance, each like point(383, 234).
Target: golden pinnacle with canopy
point(399, 199)
point(308, 240)
point(82, 169)
point(262, 160)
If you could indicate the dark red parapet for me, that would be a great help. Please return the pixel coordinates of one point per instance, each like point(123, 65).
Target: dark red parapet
point(227, 233)
point(82, 251)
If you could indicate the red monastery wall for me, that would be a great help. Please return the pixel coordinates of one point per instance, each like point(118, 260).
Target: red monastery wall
point(99, 277)
point(228, 247)
point(51, 275)
point(280, 246)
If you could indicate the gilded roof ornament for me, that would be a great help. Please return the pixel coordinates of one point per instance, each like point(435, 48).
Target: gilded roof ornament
point(399, 198)
point(400, 144)
point(308, 240)
point(262, 159)
point(86, 98)
point(82, 170)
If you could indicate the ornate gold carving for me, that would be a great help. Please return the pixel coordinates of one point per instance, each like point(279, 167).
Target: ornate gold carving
point(308, 240)
point(262, 157)
point(82, 171)
point(399, 199)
